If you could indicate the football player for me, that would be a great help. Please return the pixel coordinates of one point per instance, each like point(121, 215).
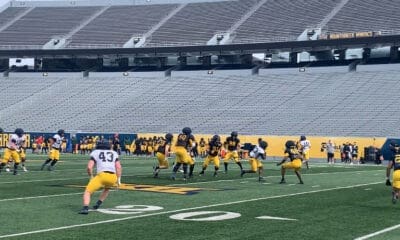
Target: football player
point(395, 164)
point(233, 146)
point(295, 161)
point(394, 148)
point(256, 156)
point(54, 153)
point(183, 146)
point(203, 148)
point(109, 172)
point(162, 152)
point(214, 148)
point(305, 146)
point(14, 145)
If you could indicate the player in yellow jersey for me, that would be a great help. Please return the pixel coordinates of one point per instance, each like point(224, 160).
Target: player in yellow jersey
point(183, 145)
point(12, 152)
point(203, 148)
point(233, 146)
point(256, 156)
point(162, 152)
point(295, 159)
point(213, 154)
point(54, 153)
point(109, 172)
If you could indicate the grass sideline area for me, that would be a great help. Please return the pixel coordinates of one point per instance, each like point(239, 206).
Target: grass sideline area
point(336, 202)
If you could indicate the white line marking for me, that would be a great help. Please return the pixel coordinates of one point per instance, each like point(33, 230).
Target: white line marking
point(231, 180)
point(368, 189)
point(43, 196)
point(276, 218)
point(315, 186)
point(378, 232)
point(187, 209)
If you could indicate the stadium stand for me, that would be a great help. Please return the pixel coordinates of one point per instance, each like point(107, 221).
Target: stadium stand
point(246, 21)
point(367, 15)
point(118, 24)
point(38, 26)
point(197, 23)
point(283, 20)
point(319, 103)
point(9, 14)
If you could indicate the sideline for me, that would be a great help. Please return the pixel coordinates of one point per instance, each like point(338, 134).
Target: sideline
point(183, 210)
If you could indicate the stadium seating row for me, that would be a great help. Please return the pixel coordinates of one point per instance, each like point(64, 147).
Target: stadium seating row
point(326, 103)
point(194, 23)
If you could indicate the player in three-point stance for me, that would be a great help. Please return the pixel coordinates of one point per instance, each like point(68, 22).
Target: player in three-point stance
point(295, 161)
point(109, 172)
point(54, 153)
point(256, 156)
point(214, 148)
point(162, 152)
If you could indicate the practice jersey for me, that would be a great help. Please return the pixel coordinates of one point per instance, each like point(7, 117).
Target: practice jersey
point(293, 153)
point(184, 140)
point(214, 148)
point(57, 141)
point(232, 143)
point(257, 153)
point(162, 145)
point(305, 145)
point(105, 160)
point(16, 142)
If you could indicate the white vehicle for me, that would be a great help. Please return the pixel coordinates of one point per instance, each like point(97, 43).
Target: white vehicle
point(28, 63)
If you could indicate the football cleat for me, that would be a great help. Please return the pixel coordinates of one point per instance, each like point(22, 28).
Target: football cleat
point(282, 181)
point(24, 168)
point(394, 198)
point(7, 169)
point(242, 173)
point(84, 211)
point(261, 179)
point(215, 174)
point(301, 182)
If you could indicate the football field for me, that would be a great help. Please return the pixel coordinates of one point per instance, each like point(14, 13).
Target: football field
point(336, 202)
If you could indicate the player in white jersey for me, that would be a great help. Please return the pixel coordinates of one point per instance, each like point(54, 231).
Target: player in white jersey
point(54, 153)
point(108, 174)
point(14, 146)
point(256, 156)
point(305, 146)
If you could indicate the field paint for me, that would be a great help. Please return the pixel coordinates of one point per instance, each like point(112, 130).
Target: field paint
point(214, 181)
point(43, 196)
point(315, 186)
point(378, 232)
point(230, 180)
point(276, 218)
point(183, 210)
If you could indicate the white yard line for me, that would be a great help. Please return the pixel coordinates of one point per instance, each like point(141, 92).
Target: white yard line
point(183, 210)
point(378, 232)
point(277, 176)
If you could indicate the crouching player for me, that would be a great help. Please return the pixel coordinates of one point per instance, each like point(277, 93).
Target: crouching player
point(162, 153)
point(213, 154)
point(295, 161)
point(395, 163)
point(256, 155)
point(108, 174)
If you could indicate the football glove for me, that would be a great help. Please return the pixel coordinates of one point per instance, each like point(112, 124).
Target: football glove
point(388, 183)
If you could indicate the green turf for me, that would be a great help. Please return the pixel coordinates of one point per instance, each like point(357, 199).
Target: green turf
point(336, 202)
